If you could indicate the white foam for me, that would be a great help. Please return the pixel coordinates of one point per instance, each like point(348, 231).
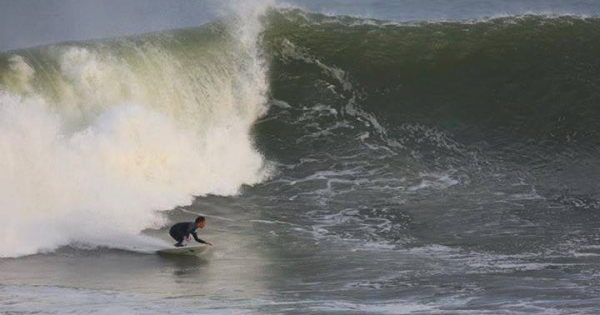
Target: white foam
point(93, 154)
point(434, 181)
point(21, 75)
point(400, 307)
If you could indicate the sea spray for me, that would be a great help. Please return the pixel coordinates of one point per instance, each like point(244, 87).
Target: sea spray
point(97, 137)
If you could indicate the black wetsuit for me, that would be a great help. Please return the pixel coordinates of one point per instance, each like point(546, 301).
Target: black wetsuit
point(183, 229)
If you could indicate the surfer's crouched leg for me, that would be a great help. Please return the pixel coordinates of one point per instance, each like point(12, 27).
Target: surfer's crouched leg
point(179, 242)
point(178, 238)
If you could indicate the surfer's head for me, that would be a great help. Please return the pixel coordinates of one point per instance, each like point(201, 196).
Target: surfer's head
point(200, 222)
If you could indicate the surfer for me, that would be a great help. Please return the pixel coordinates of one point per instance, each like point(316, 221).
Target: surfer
point(181, 231)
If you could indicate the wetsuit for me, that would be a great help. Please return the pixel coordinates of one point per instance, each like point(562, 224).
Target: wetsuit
point(181, 230)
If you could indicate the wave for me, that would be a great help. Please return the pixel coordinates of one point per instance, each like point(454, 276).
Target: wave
point(407, 117)
point(501, 81)
point(97, 137)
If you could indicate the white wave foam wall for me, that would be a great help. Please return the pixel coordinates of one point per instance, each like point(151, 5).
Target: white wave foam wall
point(97, 139)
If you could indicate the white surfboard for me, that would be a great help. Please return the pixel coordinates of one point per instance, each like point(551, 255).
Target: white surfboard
point(185, 250)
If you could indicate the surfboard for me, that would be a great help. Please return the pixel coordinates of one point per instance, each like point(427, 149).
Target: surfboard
point(185, 250)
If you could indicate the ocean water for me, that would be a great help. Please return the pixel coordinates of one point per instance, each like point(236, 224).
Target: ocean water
point(351, 157)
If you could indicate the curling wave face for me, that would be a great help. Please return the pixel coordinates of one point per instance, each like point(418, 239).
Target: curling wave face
point(452, 124)
point(502, 80)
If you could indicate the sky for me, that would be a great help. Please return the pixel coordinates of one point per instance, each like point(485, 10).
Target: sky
point(27, 23)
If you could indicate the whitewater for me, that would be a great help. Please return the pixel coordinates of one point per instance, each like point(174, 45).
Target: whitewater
point(98, 138)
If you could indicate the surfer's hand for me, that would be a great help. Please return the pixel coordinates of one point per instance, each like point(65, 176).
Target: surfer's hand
point(208, 243)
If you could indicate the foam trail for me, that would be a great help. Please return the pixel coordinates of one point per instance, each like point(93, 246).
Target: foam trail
point(97, 138)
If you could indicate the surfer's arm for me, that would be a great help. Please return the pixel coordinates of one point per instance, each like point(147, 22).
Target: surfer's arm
point(195, 235)
point(199, 240)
